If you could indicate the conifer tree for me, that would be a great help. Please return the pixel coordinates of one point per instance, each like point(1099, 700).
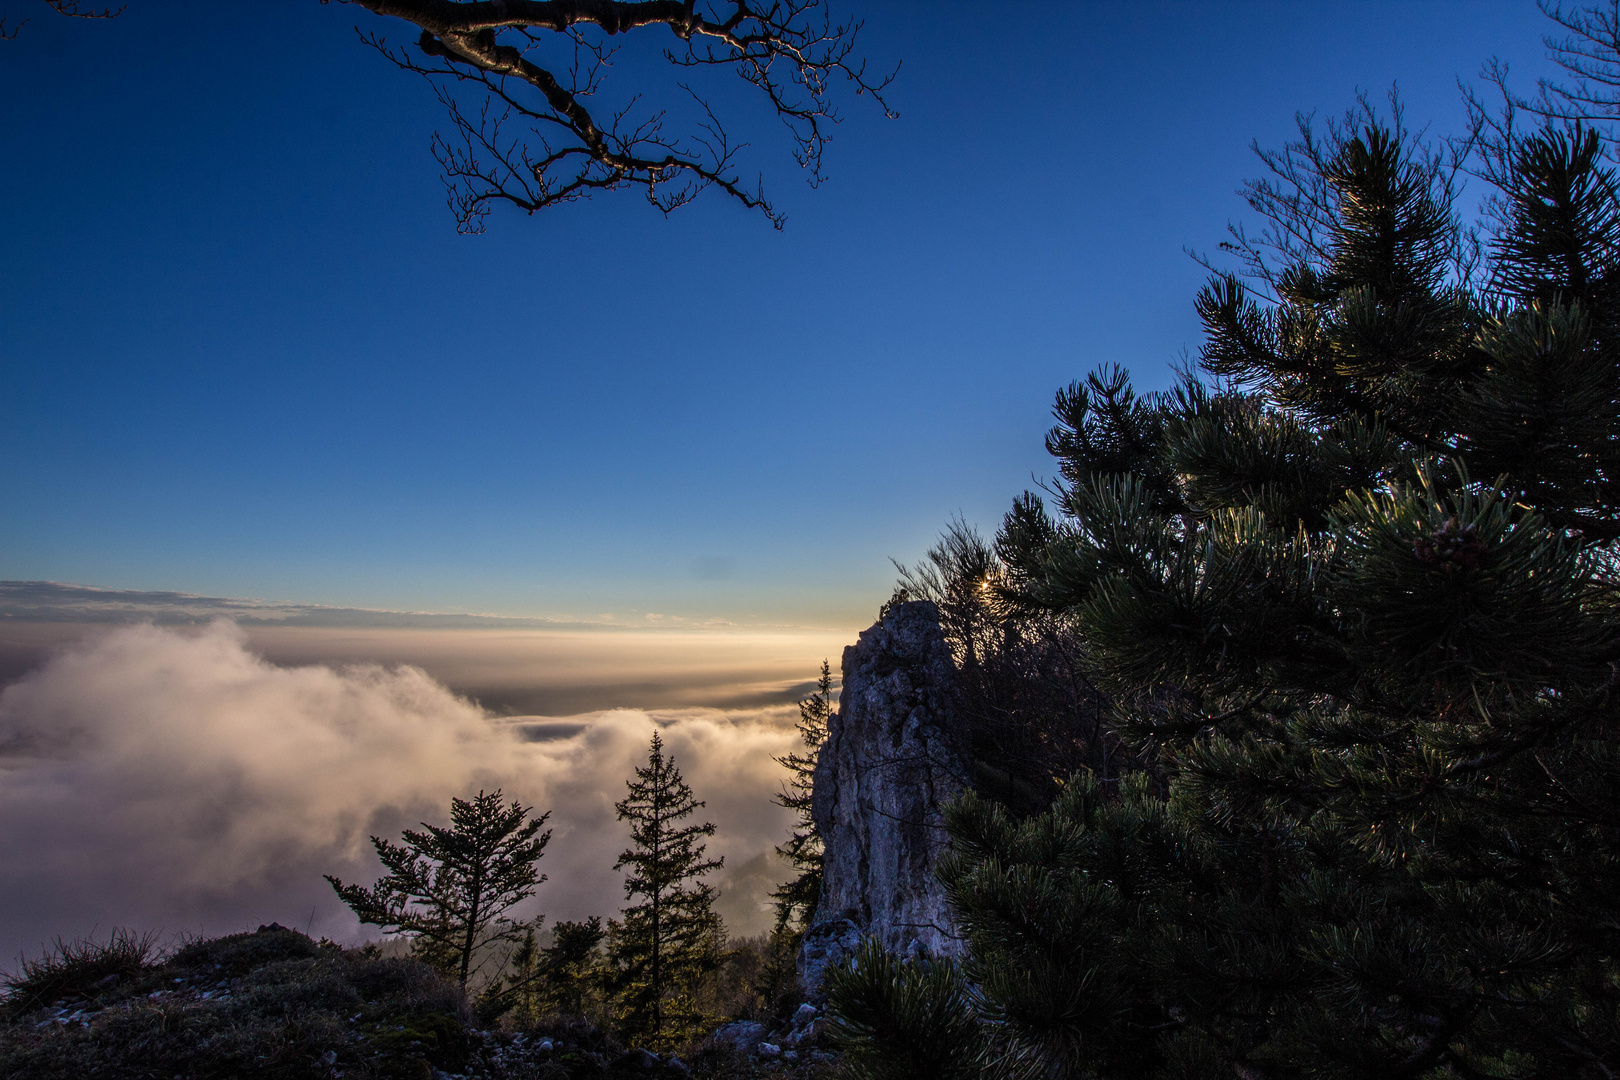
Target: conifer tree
point(568, 965)
point(1353, 596)
point(669, 940)
point(796, 900)
point(518, 991)
point(555, 978)
point(902, 1020)
point(449, 888)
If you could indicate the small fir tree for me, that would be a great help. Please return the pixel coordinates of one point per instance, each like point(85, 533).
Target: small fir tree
point(668, 941)
point(519, 991)
point(795, 901)
point(569, 965)
point(555, 978)
point(449, 888)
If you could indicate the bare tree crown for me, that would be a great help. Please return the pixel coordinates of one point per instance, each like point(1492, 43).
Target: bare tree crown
point(531, 135)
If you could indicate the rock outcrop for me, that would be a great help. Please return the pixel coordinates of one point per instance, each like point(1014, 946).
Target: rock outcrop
point(892, 759)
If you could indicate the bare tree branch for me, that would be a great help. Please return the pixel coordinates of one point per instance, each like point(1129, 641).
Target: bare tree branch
point(1591, 55)
point(71, 8)
point(74, 10)
point(535, 139)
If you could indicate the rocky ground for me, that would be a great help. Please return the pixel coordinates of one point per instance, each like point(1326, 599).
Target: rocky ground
point(276, 1004)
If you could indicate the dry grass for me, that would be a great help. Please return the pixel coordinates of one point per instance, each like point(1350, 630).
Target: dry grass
point(268, 1004)
point(79, 970)
point(274, 1004)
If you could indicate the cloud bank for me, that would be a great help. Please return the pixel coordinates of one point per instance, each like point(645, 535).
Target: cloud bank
point(57, 601)
point(180, 781)
point(510, 665)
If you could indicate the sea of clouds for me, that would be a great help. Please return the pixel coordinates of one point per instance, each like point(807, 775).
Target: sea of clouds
point(174, 779)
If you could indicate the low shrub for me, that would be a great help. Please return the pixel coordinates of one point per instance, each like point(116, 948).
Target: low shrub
point(238, 954)
point(272, 1004)
point(79, 970)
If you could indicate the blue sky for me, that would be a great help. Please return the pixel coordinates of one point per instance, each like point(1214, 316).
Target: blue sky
point(243, 351)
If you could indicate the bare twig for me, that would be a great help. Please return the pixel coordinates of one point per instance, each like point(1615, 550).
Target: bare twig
point(74, 10)
point(1298, 203)
point(535, 139)
point(71, 8)
point(1590, 54)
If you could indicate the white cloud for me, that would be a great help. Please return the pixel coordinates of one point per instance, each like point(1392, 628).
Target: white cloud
point(178, 781)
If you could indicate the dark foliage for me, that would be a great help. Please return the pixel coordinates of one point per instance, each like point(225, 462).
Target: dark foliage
point(1351, 597)
point(796, 899)
point(1379, 688)
point(1031, 712)
point(670, 938)
point(568, 964)
point(268, 1004)
point(449, 888)
point(238, 954)
point(560, 979)
point(901, 1020)
point(775, 987)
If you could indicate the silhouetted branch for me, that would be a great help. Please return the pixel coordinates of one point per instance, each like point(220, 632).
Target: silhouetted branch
point(1591, 55)
point(534, 142)
point(1298, 204)
point(74, 10)
point(71, 8)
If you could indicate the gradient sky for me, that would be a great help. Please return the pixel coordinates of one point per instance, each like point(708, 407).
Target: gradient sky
point(243, 351)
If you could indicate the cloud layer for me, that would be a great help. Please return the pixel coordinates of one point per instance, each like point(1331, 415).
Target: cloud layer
point(180, 781)
point(57, 601)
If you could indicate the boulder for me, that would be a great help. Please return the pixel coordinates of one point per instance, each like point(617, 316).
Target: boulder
point(894, 756)
point(742, 1035)
point(804, 1027)
point(824, 944)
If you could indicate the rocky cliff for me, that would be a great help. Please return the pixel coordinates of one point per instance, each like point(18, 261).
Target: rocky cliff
point(893, 757)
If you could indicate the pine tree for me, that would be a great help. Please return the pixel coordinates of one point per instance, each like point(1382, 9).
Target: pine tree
point(669, 940)
point(796, 900)
point(915, 1018)
point(1356, 600)
point(555, 978)
point(1353, 596)
point(568, 965)
point(518, 992)
point(449, 888)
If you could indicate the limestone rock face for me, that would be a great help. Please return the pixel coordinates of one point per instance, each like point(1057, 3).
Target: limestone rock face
point(892, 759)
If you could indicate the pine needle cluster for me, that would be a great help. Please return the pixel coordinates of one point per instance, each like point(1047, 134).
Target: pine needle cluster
point(1350, 592)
